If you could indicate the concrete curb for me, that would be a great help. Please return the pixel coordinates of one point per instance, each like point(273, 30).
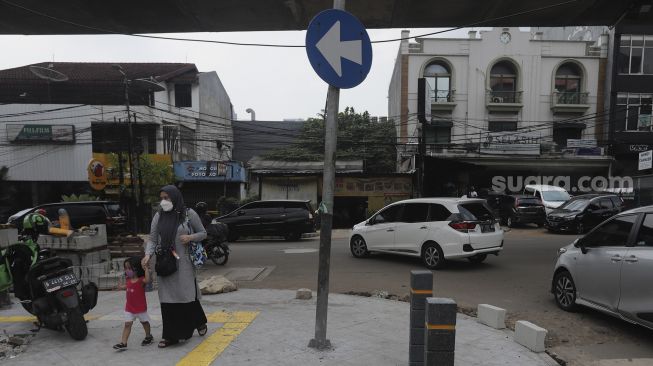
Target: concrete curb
point(525, 334)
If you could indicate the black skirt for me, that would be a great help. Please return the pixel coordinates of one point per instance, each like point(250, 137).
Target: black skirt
point(180, 320)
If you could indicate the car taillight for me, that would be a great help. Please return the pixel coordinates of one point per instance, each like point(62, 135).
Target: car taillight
point(517, 202)
point(68, 293)
point(463, 226)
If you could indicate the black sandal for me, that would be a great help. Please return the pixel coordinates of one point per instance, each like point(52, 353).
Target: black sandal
point(166, 343)
point(147, 341)
point(202, 330)
point(120, 346)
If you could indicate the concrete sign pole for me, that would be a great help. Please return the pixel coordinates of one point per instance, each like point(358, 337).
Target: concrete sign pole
point(328, 186)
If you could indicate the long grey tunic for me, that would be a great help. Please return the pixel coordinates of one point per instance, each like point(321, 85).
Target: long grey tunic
point(181, 286)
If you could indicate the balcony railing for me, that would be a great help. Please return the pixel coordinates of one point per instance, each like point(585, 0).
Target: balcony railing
point(569, 102)
point(504, 101)
point(503, 97)
point(570, 97)
point(443, 96)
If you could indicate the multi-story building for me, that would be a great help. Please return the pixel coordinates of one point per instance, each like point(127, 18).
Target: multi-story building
point(55, 116)
point(631, 98)
point(503, 103)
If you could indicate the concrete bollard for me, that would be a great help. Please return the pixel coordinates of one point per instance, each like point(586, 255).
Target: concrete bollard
point(530, 335)
point(440, 336)
point(421, 287)
point(491, 316)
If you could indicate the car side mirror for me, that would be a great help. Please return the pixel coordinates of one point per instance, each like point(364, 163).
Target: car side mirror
point(579, 244)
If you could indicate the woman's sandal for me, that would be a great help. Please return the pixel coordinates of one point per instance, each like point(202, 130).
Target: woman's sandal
point(166, 343)
point(147, 341)
point(120, 347)
point(202, 330)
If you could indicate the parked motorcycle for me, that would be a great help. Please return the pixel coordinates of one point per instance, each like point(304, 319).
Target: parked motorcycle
point(215, 244)
point(47, 286)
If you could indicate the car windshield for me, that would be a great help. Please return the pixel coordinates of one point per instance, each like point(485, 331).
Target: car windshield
point(575, 205)
point(114, 209)
point(557, 196)
point(20, 213)
point(475, 211)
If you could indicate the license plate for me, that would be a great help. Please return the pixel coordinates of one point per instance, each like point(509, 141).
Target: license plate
point(487, 228)
point(56, 283)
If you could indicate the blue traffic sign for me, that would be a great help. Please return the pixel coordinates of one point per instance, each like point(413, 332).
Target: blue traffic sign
point(339, 48)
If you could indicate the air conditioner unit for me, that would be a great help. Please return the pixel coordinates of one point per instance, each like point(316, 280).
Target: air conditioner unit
point(497, 100)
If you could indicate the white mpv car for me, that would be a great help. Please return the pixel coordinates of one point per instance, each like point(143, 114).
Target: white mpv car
point(435, 229)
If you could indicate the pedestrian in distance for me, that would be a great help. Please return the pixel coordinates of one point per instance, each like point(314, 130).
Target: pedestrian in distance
point(173, 229)
point(136, 305)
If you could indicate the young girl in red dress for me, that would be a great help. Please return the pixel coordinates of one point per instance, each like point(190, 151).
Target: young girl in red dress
point(136, 306)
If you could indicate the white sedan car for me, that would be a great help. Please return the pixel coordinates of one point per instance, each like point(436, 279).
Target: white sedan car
point(435, 229)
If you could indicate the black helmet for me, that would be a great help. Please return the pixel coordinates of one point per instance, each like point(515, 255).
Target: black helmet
point(201, 207)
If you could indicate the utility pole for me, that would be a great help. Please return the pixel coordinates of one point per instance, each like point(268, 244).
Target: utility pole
point(328, 186)
point(133, 211)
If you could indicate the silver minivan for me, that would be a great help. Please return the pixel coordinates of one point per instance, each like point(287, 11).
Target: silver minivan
point(610, 268)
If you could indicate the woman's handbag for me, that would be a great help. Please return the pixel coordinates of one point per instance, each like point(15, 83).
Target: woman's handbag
point(166, 263)
point(196, 250)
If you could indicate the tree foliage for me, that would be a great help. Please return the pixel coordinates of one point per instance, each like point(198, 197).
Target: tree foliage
point(155, 174)
point(79, 197)
point(359, 137)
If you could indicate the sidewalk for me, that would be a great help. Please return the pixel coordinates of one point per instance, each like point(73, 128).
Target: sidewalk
point(264, 327)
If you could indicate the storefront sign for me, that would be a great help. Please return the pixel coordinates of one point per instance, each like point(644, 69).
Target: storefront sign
point(352, 186)
point(645, 160)
point(293, 188)
point(638, 148)
point(41, 133)
point(97, 174)
point(574, 143)
point(209, 171)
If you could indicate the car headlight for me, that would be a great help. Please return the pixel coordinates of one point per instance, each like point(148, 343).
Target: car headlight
point(562, 251)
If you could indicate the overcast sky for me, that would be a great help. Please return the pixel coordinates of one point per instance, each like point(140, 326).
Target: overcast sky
point(278, 83)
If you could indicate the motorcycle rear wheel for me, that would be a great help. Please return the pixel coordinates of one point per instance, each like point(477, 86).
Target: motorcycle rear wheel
point(219, 256)
point(76, 325)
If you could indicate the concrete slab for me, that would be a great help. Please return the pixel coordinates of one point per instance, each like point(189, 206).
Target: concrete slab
point(364, 331)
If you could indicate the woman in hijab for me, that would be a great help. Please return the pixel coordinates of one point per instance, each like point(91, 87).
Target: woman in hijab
point(179, 294)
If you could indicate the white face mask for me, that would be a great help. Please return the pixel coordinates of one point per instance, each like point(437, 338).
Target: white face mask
point(166, 205)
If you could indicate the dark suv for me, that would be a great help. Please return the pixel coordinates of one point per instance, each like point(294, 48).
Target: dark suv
point(513, 209)
point(81, 214)
point(287, 218)
point(584, 212)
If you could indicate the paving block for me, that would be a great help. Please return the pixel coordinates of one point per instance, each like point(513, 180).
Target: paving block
point(110, 281)
point(8, 237)
point(530, 335)
point(440, 340)
point(417, 319)
point(441, 311)
point(439, 358)
point(492, 316)
point(418, 301)
point(416, 354)
point(421, 280)
point(417, 336)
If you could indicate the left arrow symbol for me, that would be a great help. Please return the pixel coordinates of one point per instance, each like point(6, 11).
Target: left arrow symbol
point(333, 49)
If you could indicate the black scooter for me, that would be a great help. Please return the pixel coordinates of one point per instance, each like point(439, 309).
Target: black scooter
point(49, 290)
point(215, 244)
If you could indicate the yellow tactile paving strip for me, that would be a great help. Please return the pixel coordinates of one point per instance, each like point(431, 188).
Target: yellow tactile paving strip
point(206, 352)
point(233, 323)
